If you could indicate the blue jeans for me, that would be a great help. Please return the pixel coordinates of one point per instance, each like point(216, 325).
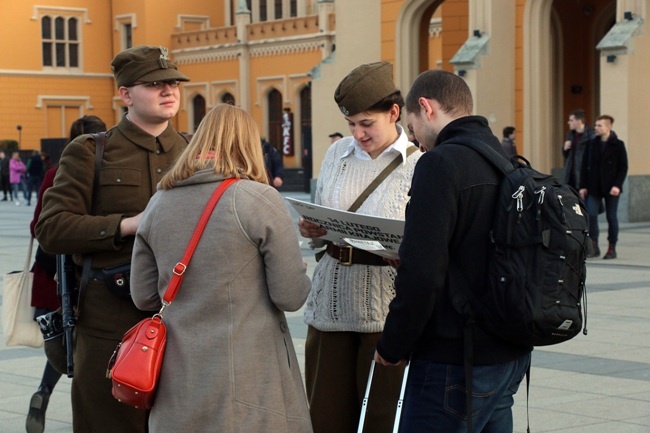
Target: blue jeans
point(611, 209)
point(434, 401)
point(18, 186)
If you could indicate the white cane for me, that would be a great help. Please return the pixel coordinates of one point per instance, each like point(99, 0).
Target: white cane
point(400, 402)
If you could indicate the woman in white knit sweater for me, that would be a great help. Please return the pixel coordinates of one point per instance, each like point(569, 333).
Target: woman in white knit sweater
point(348, 303)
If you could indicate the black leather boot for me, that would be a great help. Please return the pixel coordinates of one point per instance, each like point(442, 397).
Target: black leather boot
point(611, 252)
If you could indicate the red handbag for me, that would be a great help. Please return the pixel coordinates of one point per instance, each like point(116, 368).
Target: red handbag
point(134, 368)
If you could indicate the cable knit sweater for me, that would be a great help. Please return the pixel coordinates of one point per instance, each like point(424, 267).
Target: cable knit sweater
point(355, 298)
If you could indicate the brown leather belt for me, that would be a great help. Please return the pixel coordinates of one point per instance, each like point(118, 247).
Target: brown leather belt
point(347, 256)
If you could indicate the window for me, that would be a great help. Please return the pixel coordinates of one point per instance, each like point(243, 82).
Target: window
point(127, 36)
point(60, 42)
point(278, 9)
point(198, 108)
point(263, 10)
point(274, 103)
point(293, 8)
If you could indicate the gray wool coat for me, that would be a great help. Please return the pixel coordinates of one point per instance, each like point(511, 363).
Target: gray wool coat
point(230, 365)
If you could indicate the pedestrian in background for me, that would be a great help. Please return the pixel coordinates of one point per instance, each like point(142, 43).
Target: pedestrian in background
point(604, 169)
point(334, 137)
point(35, 173)
point(574, 147)
point(17, 171)
point(44, 293)
point(273, 163)
point(5, 185)
point(508, 142)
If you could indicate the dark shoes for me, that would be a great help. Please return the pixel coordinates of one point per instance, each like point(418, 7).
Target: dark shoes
point(595, 252)
point(611, 254)
point(36, 416)
point(611, 251)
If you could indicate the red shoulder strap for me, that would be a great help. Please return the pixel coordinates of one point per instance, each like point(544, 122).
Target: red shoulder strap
point(179, 270)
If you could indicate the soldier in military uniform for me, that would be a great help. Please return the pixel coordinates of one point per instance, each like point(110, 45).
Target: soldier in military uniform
point(137, 153)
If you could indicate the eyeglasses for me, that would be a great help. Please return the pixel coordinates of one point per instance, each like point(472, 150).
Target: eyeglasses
point(159, 85)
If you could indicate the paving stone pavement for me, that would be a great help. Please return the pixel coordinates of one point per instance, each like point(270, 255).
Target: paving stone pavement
point(598, 383)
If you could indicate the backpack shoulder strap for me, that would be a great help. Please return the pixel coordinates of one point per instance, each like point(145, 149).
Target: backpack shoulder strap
point(100, 143)
point(487, 152)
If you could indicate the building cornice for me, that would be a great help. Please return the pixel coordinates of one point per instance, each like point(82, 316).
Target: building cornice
point(259, 48)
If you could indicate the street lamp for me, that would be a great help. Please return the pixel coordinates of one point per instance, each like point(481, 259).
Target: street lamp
point(19, 128)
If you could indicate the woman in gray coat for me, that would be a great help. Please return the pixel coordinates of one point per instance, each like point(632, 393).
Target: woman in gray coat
point(230, 365)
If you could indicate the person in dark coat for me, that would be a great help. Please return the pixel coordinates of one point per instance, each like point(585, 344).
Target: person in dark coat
point(508, 142)
point(44, 295)
point(4, 177)
point(138, 152)
point(574, 146)
point(35, 173)
point(273, 164)
point(445, 251)
point(604, 168)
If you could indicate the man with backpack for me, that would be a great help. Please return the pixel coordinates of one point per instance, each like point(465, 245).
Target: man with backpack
point(445, 252)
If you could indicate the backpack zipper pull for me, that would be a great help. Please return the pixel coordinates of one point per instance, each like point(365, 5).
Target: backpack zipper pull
point(559, 199)
point(541, 192)
point(519, 196)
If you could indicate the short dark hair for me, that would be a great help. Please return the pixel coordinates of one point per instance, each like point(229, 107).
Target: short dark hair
point(385, 104)
point(450, 90)
point(579, 114)
point(335, 134)
point(86, 125)
point(607, 117)
point(507, 131)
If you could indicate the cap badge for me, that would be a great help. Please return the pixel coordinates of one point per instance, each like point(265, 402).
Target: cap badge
point(164, 57)
point(344, 111)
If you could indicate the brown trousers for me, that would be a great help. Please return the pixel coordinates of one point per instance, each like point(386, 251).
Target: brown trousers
point(337, 365)
point(104, 319)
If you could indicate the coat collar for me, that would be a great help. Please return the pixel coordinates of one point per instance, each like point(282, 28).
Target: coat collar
point(398, 146)
point(145, 140)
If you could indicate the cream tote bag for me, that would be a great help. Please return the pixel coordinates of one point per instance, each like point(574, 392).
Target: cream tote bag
point(18, 323)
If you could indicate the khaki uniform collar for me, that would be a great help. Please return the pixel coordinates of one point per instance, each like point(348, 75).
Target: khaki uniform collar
point(145, 140)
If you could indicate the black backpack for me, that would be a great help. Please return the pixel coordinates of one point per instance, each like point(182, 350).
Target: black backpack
point(537, 264)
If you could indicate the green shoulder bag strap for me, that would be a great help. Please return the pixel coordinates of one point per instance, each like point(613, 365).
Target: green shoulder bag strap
point(373, 185)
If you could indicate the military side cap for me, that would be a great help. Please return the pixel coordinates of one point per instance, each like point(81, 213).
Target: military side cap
point(144, 64)
point(364, 87)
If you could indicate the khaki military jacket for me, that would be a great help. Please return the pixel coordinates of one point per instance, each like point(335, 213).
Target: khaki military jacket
point(134, 162)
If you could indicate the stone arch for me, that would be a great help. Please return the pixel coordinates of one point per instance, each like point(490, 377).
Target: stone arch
point(408, 41)
point(198, 110)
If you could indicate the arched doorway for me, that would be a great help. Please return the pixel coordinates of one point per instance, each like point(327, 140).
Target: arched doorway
point(419, 36)
point(274, 105)
point(576, 29)
point(561, 70)
point(306, 135)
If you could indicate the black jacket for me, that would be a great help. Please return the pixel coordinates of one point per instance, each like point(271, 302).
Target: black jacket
point(272, 161)
point(604, 168)
point(445, 246)
point(573, 157)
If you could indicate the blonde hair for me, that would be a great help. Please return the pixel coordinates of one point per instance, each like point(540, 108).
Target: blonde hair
point(227, 140)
